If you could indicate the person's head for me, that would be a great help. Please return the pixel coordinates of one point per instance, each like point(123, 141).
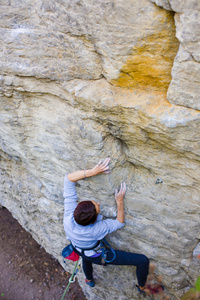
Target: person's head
point(86, 212)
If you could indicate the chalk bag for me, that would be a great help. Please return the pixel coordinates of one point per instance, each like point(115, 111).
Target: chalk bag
point(68, 253)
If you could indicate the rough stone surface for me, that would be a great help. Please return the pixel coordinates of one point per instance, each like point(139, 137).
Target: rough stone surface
point(163, 3)
point(184, 87)
point(83, 80)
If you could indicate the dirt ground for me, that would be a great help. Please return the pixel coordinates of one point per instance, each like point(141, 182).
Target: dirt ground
point(27, 271)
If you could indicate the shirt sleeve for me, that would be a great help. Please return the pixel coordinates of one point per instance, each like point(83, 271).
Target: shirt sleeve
point(106, 226)
point(70, 196)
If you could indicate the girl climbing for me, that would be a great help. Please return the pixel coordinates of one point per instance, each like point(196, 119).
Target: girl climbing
point(85, 228)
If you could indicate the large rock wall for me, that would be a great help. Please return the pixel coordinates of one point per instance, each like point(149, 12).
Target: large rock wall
point(83, 80)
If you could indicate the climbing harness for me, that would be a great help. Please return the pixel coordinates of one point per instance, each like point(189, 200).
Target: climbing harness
point(73, 277)
point(102, 248)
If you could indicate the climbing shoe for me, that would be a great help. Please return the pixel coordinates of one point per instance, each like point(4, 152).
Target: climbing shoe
point(142, 291)
point(151, 289)
point(91, 283)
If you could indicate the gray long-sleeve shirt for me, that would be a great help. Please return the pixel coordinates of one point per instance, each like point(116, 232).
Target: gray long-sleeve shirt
point(84, 236)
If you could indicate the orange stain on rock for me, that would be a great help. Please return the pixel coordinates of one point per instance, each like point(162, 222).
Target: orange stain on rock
point(151, 60)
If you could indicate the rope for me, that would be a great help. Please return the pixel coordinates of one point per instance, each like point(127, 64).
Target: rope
point(72, 278)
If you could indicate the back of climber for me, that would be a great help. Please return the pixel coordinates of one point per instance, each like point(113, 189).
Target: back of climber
point(85, 227)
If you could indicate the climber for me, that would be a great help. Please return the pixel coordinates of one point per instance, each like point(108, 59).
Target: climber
point(84, 227)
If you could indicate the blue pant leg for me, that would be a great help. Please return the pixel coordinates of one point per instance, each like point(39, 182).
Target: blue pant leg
point(140, 261)
point(127, 258)
point(87, 264)
point(87, 268)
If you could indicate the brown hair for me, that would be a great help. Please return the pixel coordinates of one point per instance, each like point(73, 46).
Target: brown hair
point(85, 213)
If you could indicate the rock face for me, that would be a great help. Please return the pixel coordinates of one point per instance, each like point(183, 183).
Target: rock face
point(83, 80)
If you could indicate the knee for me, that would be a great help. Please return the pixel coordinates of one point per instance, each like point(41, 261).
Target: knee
point(145, 260)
